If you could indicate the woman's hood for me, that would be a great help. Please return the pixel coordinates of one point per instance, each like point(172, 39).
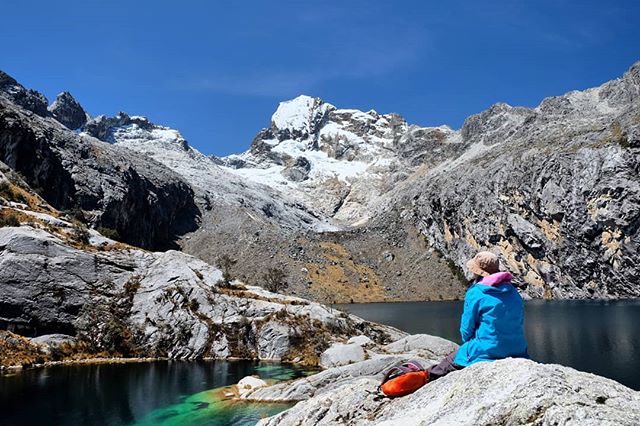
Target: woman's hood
point(497, 278)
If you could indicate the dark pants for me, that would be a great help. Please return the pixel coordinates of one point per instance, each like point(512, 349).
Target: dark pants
point(444, 367)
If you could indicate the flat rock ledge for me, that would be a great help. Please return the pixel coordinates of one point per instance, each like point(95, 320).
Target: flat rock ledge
point(505, 392)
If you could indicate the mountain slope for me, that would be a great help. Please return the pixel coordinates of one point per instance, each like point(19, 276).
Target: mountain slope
point(108, 186)
point(112, 299)
point(363, 206)
point(262, 219)
point(554, 189)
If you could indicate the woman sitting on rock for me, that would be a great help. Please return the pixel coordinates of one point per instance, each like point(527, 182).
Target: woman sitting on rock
point(492, 320)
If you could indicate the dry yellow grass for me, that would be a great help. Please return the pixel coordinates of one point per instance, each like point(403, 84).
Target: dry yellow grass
point(341, 280)
point(15, 193)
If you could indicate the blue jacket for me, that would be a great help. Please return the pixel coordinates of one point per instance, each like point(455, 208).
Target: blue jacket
point(492, 322)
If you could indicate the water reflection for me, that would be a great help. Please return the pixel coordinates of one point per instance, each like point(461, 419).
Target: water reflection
point(600, 337)
point(116, 394)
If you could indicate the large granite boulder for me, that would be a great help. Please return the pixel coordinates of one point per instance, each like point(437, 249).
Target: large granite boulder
point(342, 354)
point(506, 392)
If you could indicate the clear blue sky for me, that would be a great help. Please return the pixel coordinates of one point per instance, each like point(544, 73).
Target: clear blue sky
point(217, 70)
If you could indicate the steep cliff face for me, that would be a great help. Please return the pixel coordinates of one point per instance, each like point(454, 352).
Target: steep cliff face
point(145, 203)
point(555, 190)
point(28, 99)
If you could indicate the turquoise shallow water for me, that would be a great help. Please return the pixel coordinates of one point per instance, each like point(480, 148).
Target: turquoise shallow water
point(143, 394)
point(601, 337)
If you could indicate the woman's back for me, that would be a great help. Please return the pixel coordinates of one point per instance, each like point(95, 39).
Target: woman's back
point(492, 324)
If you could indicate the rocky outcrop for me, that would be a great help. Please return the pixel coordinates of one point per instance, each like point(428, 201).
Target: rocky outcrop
point(71, 286)
point(68, 111)
point(28, 99)
point(156, 304)
point(511, 391)
point(554, 190)
point(379, 358)
point(144, 202)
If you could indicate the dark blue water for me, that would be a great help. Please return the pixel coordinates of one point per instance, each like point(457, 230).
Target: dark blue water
point(601, 337)
point(155, 393)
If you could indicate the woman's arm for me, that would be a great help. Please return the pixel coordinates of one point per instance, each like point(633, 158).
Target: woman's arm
point(470, 318)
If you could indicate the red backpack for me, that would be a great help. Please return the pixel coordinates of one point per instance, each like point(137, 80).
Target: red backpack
point(404, 379)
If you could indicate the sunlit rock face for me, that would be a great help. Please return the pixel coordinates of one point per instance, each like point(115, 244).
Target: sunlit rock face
point(554, 190)
point(338, 160)
point(68, 111)
point(66, 284)
point(511, 391)
point(136, 303)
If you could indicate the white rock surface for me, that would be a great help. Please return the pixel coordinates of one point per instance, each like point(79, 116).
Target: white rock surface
point(248, 384)
point(506, 392)
point(273, 340)
point(424, 345)
point(174, 303)
point(340, 354)
point(379, 362)
point(360, 340)
point(327, 380)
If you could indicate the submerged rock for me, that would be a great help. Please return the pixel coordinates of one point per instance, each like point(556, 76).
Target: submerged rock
point(249, 383)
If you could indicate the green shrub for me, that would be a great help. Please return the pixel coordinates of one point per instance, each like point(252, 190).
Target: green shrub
point(104, 324)
point(225, 263)
point(275, 280)
point(109, 233)
point(80, 233)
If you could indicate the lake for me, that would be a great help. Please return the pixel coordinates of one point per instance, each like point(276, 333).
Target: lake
point(143, 394)
point(601, 337)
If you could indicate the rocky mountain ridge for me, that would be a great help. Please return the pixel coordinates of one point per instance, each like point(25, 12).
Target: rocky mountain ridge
point(108, 186)
point(262, 225)
point(367, 204)
point(338, 160)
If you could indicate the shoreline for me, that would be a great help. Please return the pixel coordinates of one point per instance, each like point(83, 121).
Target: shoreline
point(4, 369)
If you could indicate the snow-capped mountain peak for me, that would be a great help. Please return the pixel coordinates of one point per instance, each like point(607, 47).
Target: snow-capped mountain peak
point(337, 160)
point(299, 117)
